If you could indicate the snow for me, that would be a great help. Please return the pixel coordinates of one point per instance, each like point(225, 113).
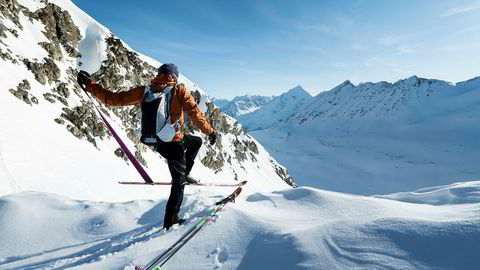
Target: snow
point(303, 228)
point(276, 111)
point(457, 193)
point(243, 104)
point(61, 208)
point(31, 34)
point(31, 5)
point(92, 48)
point(378, 138)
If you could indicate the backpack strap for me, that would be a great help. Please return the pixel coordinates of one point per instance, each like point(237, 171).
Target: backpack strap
point(147, 89)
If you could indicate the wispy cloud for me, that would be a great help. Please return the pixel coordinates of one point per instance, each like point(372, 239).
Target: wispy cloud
point(377, 61)
point(461, 9)
point(380, 62)
point(470, 29)
point(467, 46)
point(408, 48)
point(194, 46)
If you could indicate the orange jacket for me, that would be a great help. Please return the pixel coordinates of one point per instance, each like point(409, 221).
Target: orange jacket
point(182, 101)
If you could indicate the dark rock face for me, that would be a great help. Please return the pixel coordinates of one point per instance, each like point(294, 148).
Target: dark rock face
point(60, 93)
point(22, 93)
point(252, 146)
point(44, 72)
point(84, 123)
point(283, 174)
point(218, 119)
point(54, 50)
point(49, 97)
point(62, 90)
point(60, 29)
point(214, 160)
point(6, 55)
point(59, 121)
point(119, 153)
point(9, 9)
point(138, 72)
point(240, 150)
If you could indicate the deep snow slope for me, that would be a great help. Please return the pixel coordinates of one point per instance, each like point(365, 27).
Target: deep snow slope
point(378, 138)
point(51, 138)
point(303, 228)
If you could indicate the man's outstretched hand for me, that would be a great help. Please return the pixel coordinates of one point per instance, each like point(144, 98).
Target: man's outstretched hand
point(212, 138)
point(84, 79)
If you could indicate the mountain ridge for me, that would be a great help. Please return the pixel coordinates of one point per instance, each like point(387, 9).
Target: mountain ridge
point(244, 104)
point(275, 111)
point(376, 138)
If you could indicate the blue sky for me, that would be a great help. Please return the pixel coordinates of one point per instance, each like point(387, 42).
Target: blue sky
point(262, 47)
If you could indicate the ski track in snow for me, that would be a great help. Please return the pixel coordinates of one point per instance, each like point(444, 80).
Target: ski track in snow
point(88, 252)
point(309, 229)
point(3, 166)
point(70, 256)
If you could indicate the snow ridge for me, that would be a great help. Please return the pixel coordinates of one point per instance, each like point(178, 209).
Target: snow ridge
point(277, 111)
point(377, 138)
point(301, 228)
point(244, 104)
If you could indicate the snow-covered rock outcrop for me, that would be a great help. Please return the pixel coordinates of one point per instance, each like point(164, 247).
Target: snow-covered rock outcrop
point(46, 116)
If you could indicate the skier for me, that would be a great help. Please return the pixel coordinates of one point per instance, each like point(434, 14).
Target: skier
point(163, 103)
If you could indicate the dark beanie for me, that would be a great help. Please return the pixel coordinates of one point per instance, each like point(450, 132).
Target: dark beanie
point(168, 69)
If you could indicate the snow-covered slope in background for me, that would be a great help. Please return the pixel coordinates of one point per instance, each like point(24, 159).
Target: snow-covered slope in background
point(244, 104)
point(220, 102)
point(276, 111)
point(301, 228)
point(378, 138)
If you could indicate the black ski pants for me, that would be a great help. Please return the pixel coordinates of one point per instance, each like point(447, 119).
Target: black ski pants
point(180, 157)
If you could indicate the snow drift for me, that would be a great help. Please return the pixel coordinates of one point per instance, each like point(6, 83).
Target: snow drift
point(303, 228)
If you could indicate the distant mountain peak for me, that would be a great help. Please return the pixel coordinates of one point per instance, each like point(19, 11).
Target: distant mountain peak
point(245, 104)
point(345, 84)
point(297, 91)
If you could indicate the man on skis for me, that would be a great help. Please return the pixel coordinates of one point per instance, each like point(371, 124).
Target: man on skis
point(163, 103)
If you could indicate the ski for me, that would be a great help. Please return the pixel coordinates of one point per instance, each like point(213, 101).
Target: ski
point(160, 260)
point(197, 184)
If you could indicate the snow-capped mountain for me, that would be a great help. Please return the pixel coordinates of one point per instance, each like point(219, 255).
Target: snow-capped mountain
point(244, 104)
point(277, 110)
point(220, 102)
point(376, 100)
point(380, 137)
point(46, 116)
point(62, 208)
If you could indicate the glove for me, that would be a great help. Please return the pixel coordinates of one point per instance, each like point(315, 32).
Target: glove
point(84, 79)
point(212, 138)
